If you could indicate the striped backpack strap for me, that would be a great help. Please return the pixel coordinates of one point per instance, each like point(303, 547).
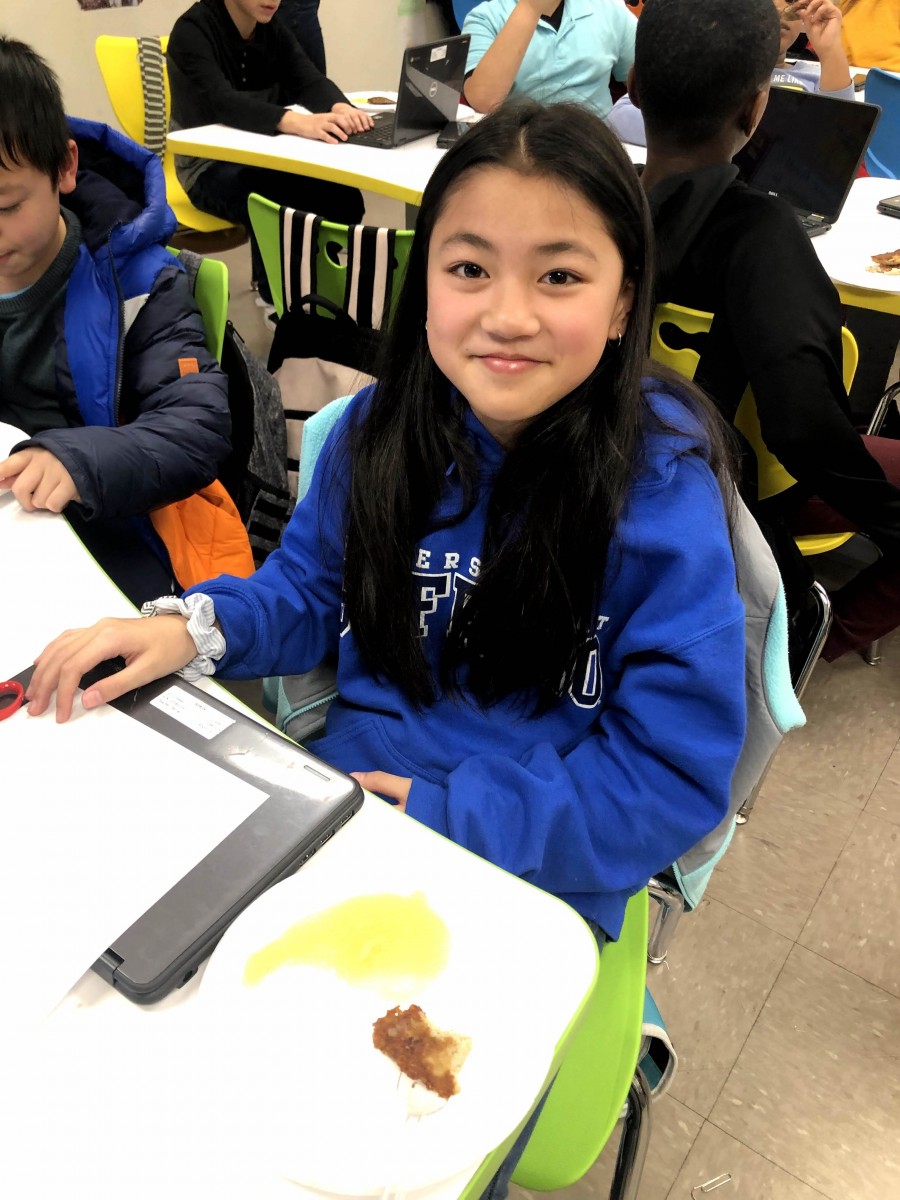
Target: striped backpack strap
point(370, 275)
point(150, 58)
point(299, 254)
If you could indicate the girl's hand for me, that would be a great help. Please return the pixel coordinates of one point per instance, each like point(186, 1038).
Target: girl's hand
point(152, 647)
point(822, 21)
point(356, 120)
point(392, 787)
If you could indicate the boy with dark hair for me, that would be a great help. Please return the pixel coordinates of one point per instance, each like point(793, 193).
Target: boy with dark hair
point(229, 62)
point(820, 20)
point(102, 355)
point(701, 78)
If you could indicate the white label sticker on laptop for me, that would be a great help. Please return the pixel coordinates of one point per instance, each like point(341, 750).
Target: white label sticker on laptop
point(192, 712)
point(438, 53)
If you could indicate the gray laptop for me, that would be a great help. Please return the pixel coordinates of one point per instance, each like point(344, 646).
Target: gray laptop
point(431, 84)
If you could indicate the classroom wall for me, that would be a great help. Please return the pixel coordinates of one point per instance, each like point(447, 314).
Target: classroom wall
point(363, 40)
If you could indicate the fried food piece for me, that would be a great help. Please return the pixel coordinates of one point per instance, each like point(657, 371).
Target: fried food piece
point(380, 100)
point(423, 1052)
point(886, 264)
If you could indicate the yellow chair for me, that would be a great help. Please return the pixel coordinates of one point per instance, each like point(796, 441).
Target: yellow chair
point(772, 477)
point(120, 68)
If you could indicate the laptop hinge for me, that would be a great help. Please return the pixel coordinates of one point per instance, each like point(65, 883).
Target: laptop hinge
point(107, 965)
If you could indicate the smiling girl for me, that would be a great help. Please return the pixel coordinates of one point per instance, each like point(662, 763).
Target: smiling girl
point(514, 544)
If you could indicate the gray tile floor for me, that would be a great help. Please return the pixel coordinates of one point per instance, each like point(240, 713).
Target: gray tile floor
point(782, 991)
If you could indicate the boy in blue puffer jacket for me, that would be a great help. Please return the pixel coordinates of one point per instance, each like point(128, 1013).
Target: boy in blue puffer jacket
point(102, 356)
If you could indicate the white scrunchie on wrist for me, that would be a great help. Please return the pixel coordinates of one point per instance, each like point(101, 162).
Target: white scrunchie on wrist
point(209, 641)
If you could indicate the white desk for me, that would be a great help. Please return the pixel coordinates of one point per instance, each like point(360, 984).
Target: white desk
point(104, 1098)
point(401, 173)
point(861, 231)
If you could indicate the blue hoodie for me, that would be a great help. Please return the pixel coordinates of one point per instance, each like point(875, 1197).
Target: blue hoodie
point(627, 772)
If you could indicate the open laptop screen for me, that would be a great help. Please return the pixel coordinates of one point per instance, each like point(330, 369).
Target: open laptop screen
point(430, 86)
point(807, 149)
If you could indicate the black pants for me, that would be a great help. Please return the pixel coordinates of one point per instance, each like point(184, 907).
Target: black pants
point(302, 19)
point(223, 189)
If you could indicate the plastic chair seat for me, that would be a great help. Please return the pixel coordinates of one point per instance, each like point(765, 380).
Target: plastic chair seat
point(119, 65)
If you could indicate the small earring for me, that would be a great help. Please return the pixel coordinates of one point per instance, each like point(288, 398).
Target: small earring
point(621, 335)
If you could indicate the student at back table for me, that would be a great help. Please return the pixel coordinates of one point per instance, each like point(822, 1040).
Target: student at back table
point(701, 79)
point(229, 63)
point(102, 355)
point(547, 50)
point(871, 33)
point(820, 20)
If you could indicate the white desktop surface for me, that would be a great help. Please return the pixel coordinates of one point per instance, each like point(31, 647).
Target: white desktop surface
point(105, 1098)
point(861, 231)
point(401, 172)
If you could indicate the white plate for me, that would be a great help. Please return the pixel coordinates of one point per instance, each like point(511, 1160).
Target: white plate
point(302, 1082)
point(361, 100)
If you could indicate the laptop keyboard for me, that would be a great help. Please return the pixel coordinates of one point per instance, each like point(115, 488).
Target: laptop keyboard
point(812, 224)
point(381, 134)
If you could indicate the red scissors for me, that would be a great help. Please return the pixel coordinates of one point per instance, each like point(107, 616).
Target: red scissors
point(12, 697)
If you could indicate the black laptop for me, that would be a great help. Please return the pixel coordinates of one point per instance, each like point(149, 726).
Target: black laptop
point(807, 149)
point(431, 84)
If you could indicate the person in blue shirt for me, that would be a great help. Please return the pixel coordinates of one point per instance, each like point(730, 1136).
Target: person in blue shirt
point(548, 50)
point(820, 20)
point(514, 544)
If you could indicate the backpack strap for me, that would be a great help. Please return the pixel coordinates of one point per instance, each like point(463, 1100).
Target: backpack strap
point(153, 85)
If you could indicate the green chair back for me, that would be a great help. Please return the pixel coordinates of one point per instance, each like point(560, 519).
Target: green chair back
point(587, 1096)
point(331, 276)
point(211, 294)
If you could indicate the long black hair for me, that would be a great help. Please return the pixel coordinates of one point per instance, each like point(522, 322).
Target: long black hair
point(558, 495)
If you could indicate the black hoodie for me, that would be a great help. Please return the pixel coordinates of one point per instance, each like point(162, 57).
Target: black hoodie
point(742, 255)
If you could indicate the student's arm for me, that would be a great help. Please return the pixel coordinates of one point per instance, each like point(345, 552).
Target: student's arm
point(175, 428)
point(302, 81)
point(655, 776)
point(627, 122)
point(282, 620)
point(788, 339)
point(822, 24)
point(628, 32)
point(497, 55)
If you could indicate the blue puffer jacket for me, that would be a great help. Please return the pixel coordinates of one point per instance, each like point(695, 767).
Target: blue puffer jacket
point(142, 433)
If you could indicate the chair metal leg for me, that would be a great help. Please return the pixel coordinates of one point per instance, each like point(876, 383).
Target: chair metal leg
point(634, 1142)
point(669, 907)
point(872, 654)
point(816, 648)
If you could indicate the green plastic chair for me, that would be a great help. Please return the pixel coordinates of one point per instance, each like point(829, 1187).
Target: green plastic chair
point(597, 1077)
point(331, 276)
point(211, 294)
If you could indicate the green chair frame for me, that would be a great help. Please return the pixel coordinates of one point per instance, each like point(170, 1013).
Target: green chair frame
point(331, 276)
point(211, 298)
point(598, 1076)
point(211, 295)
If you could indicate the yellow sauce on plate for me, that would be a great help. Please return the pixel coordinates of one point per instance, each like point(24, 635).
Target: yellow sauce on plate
point(382, 941)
